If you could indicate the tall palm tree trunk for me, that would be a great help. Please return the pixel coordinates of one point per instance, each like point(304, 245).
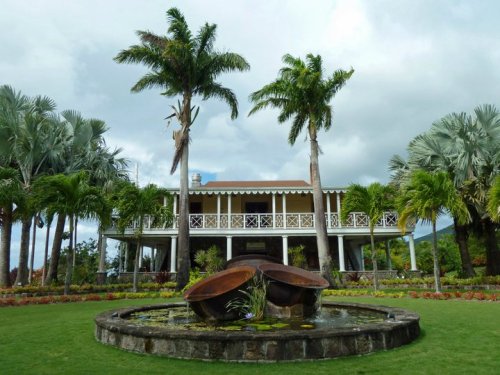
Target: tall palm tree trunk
point(6, 229)
point(69, 258)
point(461, 236)
point(46, 253)
point(325, 260)
point(32, 255)
point(435, 256)
point(101, 246)
point(374, 261)
point(135, 282)
point(24, 249)
point(492, 251)
point(56, 250)
point(183, 240)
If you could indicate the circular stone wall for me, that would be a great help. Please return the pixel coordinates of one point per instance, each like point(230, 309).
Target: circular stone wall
point(283, 345)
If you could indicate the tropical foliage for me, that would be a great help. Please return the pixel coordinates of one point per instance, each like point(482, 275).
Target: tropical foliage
point(374, 200)
point(36, 141)
point(426, 196)
point(467, 147)
point(302, 94)
point(136, 205)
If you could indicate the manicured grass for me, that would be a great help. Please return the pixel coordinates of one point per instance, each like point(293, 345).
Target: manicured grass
point(458, 337)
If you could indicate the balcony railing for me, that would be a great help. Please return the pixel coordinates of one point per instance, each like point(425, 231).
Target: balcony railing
point(269, 221)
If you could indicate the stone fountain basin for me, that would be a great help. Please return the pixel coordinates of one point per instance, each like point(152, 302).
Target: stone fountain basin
point(285, 345)
point(208, 297)
point(290, 285)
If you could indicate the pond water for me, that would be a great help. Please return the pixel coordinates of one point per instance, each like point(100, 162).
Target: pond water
point(181, 318)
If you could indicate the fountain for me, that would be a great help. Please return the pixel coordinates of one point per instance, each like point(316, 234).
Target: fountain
point(295, 329)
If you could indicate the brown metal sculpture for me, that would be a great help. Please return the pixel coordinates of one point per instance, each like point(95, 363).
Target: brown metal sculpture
point(208, 298)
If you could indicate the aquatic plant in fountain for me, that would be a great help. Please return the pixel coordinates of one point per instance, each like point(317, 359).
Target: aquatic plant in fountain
point(252, 304)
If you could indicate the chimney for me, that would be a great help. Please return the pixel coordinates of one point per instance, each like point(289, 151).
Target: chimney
point(196, 180)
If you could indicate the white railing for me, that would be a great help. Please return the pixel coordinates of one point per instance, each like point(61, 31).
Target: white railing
point(291, 221)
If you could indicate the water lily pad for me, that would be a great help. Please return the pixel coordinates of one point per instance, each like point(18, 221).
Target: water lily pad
point(307, 326)
point(263, 327)
point(280, 325)
point(230, 328)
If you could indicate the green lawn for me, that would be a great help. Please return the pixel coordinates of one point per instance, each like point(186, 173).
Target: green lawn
point(458, 337)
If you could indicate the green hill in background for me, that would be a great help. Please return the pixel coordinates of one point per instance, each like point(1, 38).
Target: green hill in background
point(441, 232)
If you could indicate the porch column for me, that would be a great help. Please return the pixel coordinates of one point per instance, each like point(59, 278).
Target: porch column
point(218, 210)
point(175, 211)
point(340, 240)
point(339, 214)
point(328, 209)
point(413, 258)
point(388, 255)
point(140, 255)
point(120, 257)
point(274, 210)
point(152, 262)
point(229, 246)
point(283, 200)
point(285, 250)
point(173, 250)
point(229, 210)
point(125, 261)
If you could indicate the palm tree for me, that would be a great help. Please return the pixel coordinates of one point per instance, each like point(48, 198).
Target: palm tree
point(373, 200)
point(133, 205)
point(182, 64)
point(73, 197)
point(302, 92)
point(470, 145)
point(82, 148)
point(11, 193)
point(25, 129)
point(494, 200)
point(426, 196)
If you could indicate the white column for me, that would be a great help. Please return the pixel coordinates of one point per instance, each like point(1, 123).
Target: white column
point(175, 211)
point(274, 210)
point(328, 210)
point(173, 250)
point(125, 263)
point(140, 255)
point(229, 210)
point(413, 259)
point(229, 245)
point(285, 250)
point(340, 240)
point(338, 209)
point(218, 210)
point(283, 200)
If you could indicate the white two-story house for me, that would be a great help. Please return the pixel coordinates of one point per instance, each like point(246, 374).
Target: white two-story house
point(260, 217)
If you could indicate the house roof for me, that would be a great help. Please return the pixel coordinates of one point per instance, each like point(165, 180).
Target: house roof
point(255, 187)
point(256, 184)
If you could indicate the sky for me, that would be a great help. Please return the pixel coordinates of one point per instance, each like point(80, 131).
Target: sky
point(414, 62)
